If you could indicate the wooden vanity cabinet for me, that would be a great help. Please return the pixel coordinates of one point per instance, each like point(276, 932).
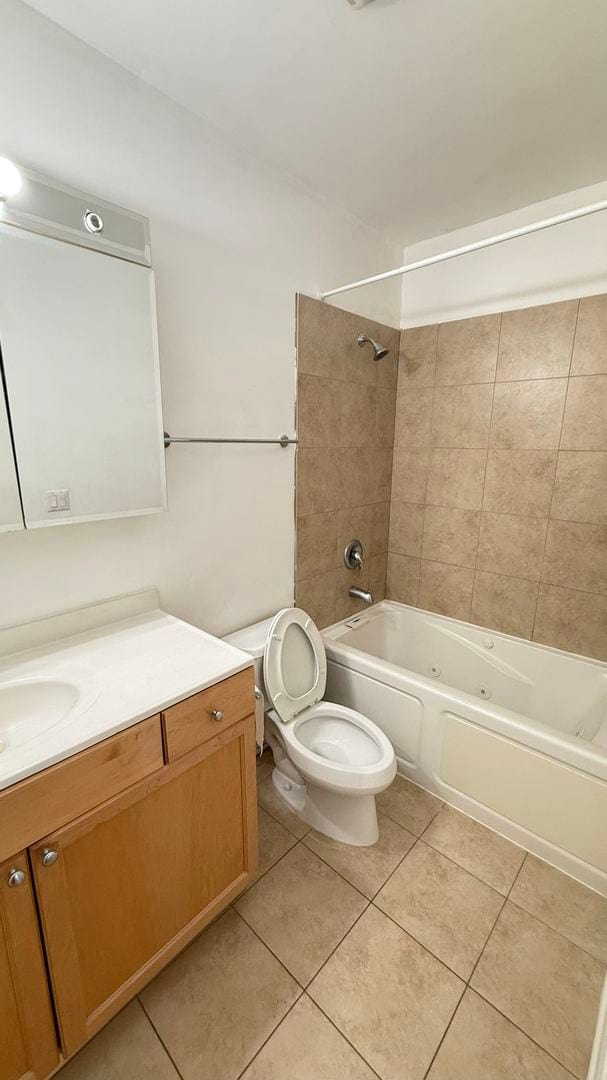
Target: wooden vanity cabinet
point(126, 886)
point(28, 1042)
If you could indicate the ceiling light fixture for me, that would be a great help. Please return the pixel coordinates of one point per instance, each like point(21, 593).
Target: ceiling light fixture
point(10, 179)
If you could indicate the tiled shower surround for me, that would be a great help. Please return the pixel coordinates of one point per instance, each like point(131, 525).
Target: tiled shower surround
point(499, 474)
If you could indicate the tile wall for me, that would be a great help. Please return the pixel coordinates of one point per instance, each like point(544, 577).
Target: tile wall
point(499, 483)
point(345, 418)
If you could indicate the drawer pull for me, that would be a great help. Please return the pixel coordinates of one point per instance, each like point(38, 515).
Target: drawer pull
point(15, 877)
point(217, 715)
point(49, 856)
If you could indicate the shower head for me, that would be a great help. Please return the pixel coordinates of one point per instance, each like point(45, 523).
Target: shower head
point(378, 350)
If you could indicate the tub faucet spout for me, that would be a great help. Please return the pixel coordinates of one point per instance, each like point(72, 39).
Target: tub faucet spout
point(361, 594)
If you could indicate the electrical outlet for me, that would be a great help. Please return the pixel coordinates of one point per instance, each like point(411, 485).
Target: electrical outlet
point(57, 500)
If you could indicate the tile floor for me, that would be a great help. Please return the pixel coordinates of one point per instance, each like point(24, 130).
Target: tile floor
point(442, 952)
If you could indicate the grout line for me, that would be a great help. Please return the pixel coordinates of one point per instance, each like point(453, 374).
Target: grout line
point(159, 1037)
point(342, 1033)
point(273, 1032)
point(474, 990)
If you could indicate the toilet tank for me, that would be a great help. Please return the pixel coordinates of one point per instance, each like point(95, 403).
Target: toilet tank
point(252, 639)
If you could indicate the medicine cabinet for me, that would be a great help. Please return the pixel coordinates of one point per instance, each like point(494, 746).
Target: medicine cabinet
point(80, 413)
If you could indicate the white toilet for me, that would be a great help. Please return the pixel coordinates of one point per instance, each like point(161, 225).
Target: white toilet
point(330, 761)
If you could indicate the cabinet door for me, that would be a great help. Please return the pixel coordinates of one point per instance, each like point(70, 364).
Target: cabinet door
point(123, 889)
point(28, 1045)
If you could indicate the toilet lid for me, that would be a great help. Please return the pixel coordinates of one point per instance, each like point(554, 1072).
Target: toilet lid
point(294, 663)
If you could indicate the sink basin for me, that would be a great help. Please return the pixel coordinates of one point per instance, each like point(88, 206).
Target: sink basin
point(31, 707)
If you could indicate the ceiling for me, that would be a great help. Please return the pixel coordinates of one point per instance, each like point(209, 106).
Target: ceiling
point(417, 116)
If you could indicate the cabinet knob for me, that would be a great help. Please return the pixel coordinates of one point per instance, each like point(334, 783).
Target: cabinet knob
point(49, 856)
point(15, 877)
point(217, 715)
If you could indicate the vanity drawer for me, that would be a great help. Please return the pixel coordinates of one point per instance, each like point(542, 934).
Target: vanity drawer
point(193, 721)
point(42, 803)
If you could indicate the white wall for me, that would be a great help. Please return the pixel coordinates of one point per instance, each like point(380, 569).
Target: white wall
point(558, 264)
point(232, 243)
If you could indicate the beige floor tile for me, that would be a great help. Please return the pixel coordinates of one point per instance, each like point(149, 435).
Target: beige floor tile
point(127, 1048)
point(301, 909)
point(265, 764)
point(306, 1046)
point(479, 850)
point(408, 805)
point(270, 800)
point(274, 841)
point(482, 1045)
point(367, 868)
point(219, 1001)
point(564, 904)
point(389, 996)
point(544, 984)
point(444, 907)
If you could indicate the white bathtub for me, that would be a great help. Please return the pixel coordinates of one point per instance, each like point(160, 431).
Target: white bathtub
point(513, 733)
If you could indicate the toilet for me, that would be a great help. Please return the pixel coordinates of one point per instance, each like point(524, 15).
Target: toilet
point(329, 761)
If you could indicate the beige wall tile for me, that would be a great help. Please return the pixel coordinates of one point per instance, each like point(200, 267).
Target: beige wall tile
point(409, 474)
point(318, 480)
point(413, 416)
point(564, 904)
point(406, 528)
point(574, 621)
point(380, 525)
point(316, 540)
point(585, 420)
point(402, 580)
point(442, 906)
point(378, 572)
point(456, 478)
point(379, 474)
point(321, 338)
point(467, 350)
point(461, 416)
point(544, 984)
point(528, 415)
point(445, 589)
point(576, 556)
point(385, 412)
point(317, 595)
point(353, 523)
point(357, 408)
point(450, 536)
point(417, 361)
point(580, 490)
point(392, 1000)
point(506, 604)
point(520, 482)
point(482, 1045)
point(312, 1046)
point(511, 545)
point(345, 604)
point(317, 410)
point(590, 347)
point(536, 342)
point(482, 852)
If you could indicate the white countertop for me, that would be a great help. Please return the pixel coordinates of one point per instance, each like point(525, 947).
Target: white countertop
point(124, 672)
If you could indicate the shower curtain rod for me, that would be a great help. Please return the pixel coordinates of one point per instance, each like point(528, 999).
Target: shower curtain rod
point(478, 245)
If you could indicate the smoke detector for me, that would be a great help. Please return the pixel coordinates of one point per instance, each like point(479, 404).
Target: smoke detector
point(358, 3)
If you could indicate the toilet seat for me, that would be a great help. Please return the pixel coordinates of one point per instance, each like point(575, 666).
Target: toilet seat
point(333, 746)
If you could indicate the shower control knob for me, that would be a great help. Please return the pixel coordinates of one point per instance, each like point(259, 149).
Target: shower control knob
point(15, 877)
point(217, 715)
point(49, 856)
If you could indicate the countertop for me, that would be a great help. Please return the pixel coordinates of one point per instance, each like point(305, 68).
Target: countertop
point(124, 671)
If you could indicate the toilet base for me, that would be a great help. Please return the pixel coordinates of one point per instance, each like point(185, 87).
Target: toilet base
point(351, 819)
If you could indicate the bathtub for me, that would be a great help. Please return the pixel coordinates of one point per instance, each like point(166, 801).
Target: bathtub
point(510, 732)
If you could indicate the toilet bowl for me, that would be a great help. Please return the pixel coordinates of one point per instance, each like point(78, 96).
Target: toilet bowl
point(329, 761)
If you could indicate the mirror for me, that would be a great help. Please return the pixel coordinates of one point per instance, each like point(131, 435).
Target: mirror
point(80, 359)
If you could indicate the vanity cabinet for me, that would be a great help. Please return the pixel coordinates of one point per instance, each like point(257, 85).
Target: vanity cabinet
point(27, 1032)
point(126, 885)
